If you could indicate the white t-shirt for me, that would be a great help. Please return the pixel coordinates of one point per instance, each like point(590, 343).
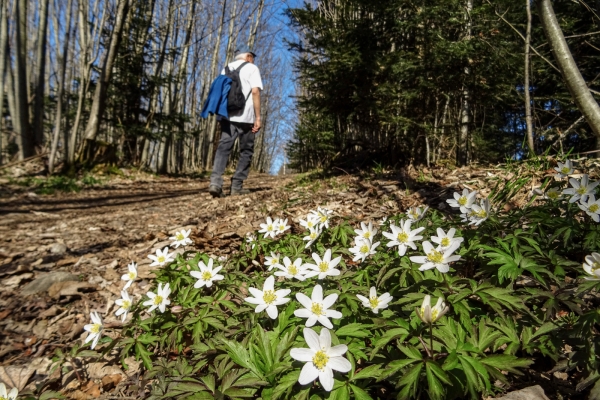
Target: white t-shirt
point(250, 78)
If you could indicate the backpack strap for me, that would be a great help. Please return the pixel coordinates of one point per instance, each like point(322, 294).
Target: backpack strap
point(240, 67)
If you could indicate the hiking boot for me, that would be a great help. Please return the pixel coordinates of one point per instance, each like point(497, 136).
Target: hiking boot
point(239, 192)
point(215, 191)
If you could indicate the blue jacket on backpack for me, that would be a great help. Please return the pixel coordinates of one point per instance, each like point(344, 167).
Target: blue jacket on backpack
point(216, 102)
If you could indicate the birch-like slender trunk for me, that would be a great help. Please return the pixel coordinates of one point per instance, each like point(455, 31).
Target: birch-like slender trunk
point(61, 88)
point(573, 79)
point(254, 29)
point(465, 112)
point(99, 101)
point(3, 64)
point(20, 119)
point(526, 84)
point(39, 78)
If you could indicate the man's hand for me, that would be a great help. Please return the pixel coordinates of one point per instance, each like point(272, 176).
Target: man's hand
point(256, 126)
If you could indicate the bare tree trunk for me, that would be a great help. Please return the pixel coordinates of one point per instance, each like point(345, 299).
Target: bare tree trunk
point(39, 78)
point(252, 36)
point(465, 113)
point(208, 155)
point(99, 102)
point(528, 117)
point(3, 61)
point(21, 118)
point(61, 89)
point(571, 75)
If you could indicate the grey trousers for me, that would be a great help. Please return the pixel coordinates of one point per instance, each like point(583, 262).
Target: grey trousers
point(229, 132)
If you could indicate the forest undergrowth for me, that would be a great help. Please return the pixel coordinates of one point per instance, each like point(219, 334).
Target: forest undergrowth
point(473, 294)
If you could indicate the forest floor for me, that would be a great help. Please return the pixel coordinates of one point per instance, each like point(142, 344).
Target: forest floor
point(62, 254)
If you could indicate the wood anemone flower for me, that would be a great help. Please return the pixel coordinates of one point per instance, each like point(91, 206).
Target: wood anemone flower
point(430, 315)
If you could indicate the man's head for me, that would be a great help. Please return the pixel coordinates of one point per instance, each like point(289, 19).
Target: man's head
point(244, 54)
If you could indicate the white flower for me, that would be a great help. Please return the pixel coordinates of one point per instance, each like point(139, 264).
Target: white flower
point(159, 299)
point(130, 276)
point(12, 395)
point(430, 315)
point(94, 329)
point(363, 248)
point(445, 240)
point(207, 274)
point(251, 239)
point(464, 201)
point(591, 207)
point(311, 222)
point(565, 169)
point(273, 261)
point(383, 221)
point(181, 238)
point(321, 358)
point(281, 225)
point(403, 236)
point(479, 212)
point(316, 308)
point(373, 302)
point(592, 267)
point(268, 229)
point(367, 232)
point(268, 299)
point(323, 216)
point(313, 235)
point(581, 189)
point(162, 257)
point(436, 258)
point(323, 267)
point(291, 270)
point(552, 194)
point(124, 304)
point(415, 213)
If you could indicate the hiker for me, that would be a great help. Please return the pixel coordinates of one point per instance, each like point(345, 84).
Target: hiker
point(243, 124)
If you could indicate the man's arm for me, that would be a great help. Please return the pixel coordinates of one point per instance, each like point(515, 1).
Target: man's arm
point(256, 103)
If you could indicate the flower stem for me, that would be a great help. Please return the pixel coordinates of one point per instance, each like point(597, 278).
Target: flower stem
point(431, 341)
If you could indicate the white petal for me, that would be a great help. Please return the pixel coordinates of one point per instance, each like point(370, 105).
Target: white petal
point(312, 339)
point(339, 364)
point(303, 313)
point(333, 314)
point(326, 378)
point(304, 300)
point(325, 339)
point(269, 283)
point(260, 308)
point(338, 350)
point(308, 374)
point(323, 320)
point(303, 354)
point(272, 312)
point(329, 300)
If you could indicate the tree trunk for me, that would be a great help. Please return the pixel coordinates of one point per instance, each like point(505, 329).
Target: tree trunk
point(526, 85)
point(39, 78)
point(61, 89)
point(3, 60)
point(99, 102)
point(465, 112)
point(21, 118)
point(574, 81)
point(252, 36)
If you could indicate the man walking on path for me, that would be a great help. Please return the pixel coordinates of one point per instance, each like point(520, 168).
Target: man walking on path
point(243, 124)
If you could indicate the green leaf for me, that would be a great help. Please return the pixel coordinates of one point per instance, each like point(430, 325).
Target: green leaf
point(545, 328)
point(141, 351)
point(387, 337)
point(395, 366)
point(372, 371)
point(50, 394)
point(411, 352)
point(285, 383)
point(506, 362)
point(411, 379)
point(435, 388)
point(360, 394)
point(240, 355)
point(354, 330)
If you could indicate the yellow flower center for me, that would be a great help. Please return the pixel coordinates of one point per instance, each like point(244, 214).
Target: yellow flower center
point(414, 214)
point(462, 200)
point(595, 266)
point(445, 242)
point(323, 218)
point(132, 275)
point(593, 208)
point(292, 269)
point(313, 235)
point(367, 234)
point(269, 297)
point(206, 276)
point(323, 266)
point(481, 213)
point(269, 228)
point(565, 170)
point(364, 249)
point(552, 194)
point(126, 304)
point(310, 224)
point(158, 300)
point(402, 237)
point(582, 190)
point(161, 259)
point(281, 227)
point(316, 309)
point(374, 301)
point(95, 328)
point(275, 261)
point(179, 236)
point(435, 257)
point(320, 360)
point(434, 314)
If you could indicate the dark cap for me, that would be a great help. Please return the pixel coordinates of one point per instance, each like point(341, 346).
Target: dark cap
point(243, 50)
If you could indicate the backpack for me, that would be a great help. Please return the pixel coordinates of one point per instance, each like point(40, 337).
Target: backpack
point(236, 101)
